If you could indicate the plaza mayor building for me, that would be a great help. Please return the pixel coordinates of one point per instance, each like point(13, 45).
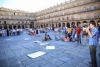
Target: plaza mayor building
point(70, 13)
point(13, 19)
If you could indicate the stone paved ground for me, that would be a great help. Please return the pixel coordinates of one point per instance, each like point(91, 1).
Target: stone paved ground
point(14, 50)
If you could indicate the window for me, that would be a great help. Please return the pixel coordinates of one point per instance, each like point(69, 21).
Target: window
point(63, 13)
point(72, 18)
point(63, 19)
point(92, 7)
point(52, 20)
point(19, 22)
point(59, 19)
point(14, 13)
point(67, 12)
point(84, 9)
point(49, 15)
point(4, 22)
point(67, 18)
point(22, 22)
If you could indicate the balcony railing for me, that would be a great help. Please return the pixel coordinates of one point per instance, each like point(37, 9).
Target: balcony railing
point(90, 1)
point(75, 12)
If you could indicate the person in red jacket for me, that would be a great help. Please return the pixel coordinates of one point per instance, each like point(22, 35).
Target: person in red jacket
point(78, 32)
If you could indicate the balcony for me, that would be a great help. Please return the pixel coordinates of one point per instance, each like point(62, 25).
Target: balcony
point(84, 3)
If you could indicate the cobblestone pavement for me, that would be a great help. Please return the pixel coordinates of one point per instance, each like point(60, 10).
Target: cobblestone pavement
point(14, 51)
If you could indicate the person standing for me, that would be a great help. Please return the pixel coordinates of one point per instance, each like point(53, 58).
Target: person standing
point(78, 32)
point(7, 32)
point(93, 42)
point(4, 32)
point(73, 34)
point(69, 30)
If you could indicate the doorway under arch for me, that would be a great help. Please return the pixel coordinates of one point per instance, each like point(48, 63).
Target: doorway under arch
point(0, 27)
point(46, 25)
point(68, 24)
point(98, 23)
point(73, 24)
point(78, 23)
point(10, 27)
point(63, 24)
point(23, 26)
point(18, 26)
point(5, 27)
point(85, 23)
point(59, 24)
point(52, 25)
point(14, 27)
point(41, 26)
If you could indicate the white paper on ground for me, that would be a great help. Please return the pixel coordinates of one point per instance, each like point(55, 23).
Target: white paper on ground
point(37, 41)
point(44, 43)
point(50, 47)
point(26, 38)
point(36, 54)
point(9, 39)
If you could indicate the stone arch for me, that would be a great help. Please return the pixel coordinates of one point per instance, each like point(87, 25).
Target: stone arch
point(10, 27)
point(59, 24)
point(63, 24)
point(26, 26)
point(46, 25)
point(98, 23)
point(0, 27)
point(73, 24)
point(23, 26)
point(5, 27)
point(68, 24)
point(41, 26)
point(52, 25)
point(14, 26)
point(18, 26)
point(78, 23)
point(56, 25)
point(85, 23)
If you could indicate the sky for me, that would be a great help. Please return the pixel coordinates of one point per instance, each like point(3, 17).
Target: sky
point(29, 5)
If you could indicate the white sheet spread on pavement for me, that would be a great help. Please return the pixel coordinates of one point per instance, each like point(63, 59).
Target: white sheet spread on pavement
point(41, 43)
point(44, 43)
point(36, 54)
point(37, 41)
point(26, 38)
point(9, 39)
point(50, 47)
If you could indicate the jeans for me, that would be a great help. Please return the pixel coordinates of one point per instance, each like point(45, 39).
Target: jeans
point(93, 55)
point(78, 38)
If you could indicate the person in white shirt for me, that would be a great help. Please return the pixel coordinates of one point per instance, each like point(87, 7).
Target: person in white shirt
point(14, 31)
point(4, 33)
point(0, 32)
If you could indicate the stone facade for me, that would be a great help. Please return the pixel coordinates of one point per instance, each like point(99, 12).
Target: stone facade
point(10, 19)
point(71, 13)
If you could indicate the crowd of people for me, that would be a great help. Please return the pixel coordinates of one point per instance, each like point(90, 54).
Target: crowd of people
point(10, 32)
point(83, 35)
point(73, 34)
point(86, 35)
